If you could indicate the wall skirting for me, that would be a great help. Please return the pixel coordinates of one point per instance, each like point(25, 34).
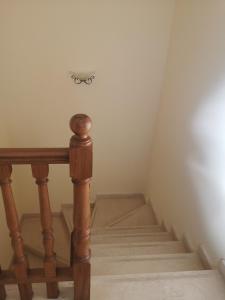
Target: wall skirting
point(201, 250)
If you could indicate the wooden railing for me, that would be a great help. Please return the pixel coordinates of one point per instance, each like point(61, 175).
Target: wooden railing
point(79, 158)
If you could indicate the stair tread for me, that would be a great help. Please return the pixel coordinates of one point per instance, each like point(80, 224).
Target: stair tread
point(125, 230)
point(132, 238)
point(31, 232)
point(114, 208)
point(36, 261)
point(194, 285)
point(67, 214)
point(138, 249)
point(189, 285)
point(141, 216)
point(145, 264)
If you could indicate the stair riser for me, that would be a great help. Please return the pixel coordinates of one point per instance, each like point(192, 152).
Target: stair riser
point(126, 231)
point(127, 250)
point(131, 239)
point(120, 266)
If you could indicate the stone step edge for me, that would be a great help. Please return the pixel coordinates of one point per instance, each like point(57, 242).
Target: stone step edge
point(40, 254)
point(133, 258)
point(119, 196)
point(156, 276)
point(138, 244)
point(125, 227)
point(140, 234)
point(135, 235)
point(112, 230)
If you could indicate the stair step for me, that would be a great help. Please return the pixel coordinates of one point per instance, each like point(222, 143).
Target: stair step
point(141, 216)
point(137, 249)
point(190, 285)
point(118, 265)
point(67, 214)
point(112, 207)
point(125, 230)
point(31, 232)
point(36, 261)
point(132, 238)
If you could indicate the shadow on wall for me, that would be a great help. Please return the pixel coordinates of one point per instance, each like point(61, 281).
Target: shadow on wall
point(188, 162)
point(207, 166)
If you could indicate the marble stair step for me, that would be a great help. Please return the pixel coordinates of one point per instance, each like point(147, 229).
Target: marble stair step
point(131, 209)
point(132, 238)
point(141, 216)
point(191, 285)
point(126, 230)
point(119, 265)
point(188, 285)
point(31, 232)
point(36, 261)
point(99, 250)
point(67, 214)
point(108, 208)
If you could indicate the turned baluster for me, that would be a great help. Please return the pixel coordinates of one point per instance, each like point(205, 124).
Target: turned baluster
point(21, 264)
point(80, 156)
point(40, 173)
point(2, 289)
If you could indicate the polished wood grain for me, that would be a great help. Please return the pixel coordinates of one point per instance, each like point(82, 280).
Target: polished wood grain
point(80, 156)
point(37, 275)
point(21, 156)
point(20, 263)
point(40, 173)
point(2, 288)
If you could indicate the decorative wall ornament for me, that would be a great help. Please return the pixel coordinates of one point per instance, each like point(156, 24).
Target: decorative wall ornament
point(79, 78)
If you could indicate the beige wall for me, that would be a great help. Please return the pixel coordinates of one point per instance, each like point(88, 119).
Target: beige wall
point(125, 42)
point(5, 251)
point(188, 159)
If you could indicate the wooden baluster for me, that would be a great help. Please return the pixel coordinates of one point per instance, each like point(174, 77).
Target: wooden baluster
point(80, 156)
point(40, 173)
point(2, 289)
point(21, 264)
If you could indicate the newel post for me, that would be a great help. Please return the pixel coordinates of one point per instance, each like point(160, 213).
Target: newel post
point(2, 289)
point(80, 156)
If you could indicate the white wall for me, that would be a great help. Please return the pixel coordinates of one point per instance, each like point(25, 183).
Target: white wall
point(187, 181)
point(125, 42)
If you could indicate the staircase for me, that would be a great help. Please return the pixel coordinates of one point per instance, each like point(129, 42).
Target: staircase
point(133, 257)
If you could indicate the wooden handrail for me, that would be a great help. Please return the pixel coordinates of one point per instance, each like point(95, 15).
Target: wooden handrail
point(21, 156)
point(79, 158)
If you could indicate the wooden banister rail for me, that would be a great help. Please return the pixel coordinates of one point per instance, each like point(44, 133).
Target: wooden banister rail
point(2, 288)
point(21, 156)
point(79, 158)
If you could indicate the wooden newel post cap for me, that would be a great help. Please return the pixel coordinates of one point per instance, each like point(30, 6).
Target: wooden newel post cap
point(80, 124)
